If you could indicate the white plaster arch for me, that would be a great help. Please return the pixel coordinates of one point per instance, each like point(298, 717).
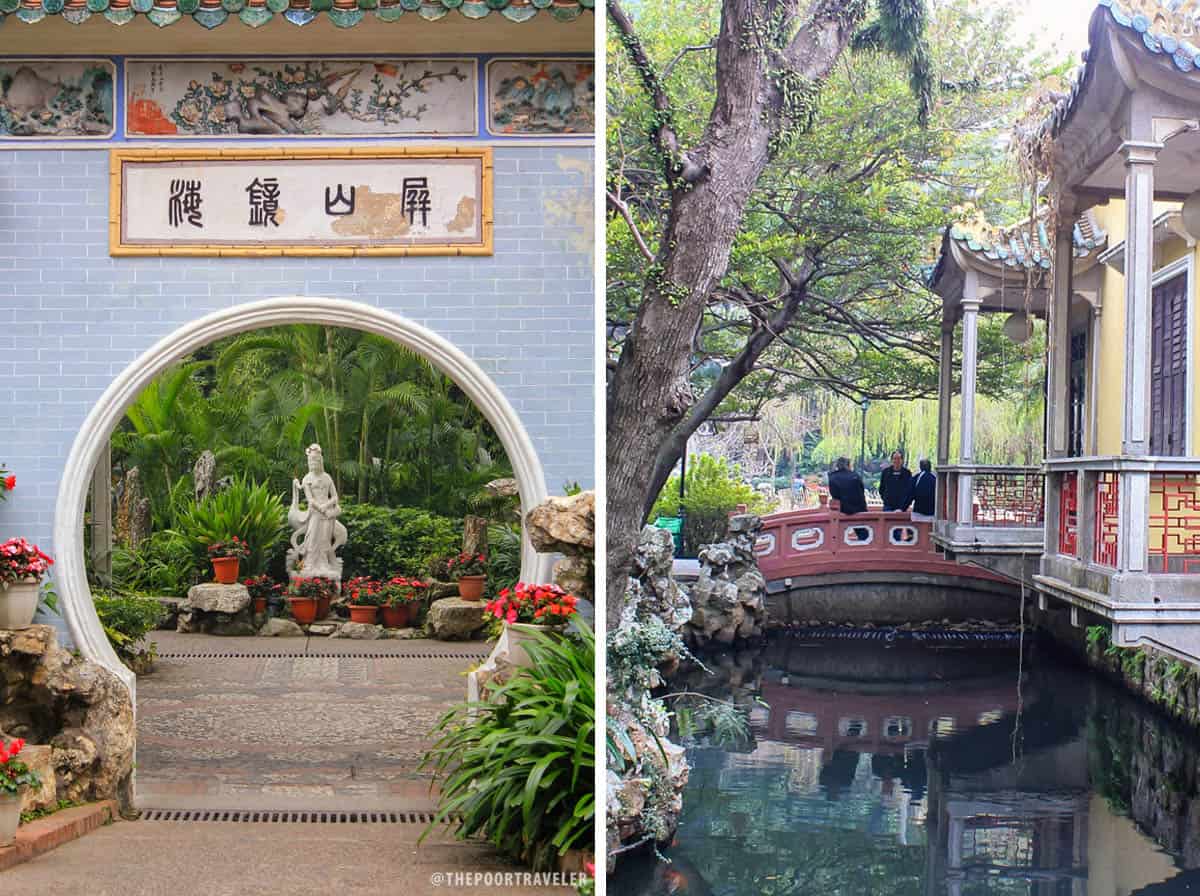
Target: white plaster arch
point(71, 576)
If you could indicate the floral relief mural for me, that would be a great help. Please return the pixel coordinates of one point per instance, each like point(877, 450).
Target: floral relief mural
point(530, 97)
point(56, 98)
point(301, 98)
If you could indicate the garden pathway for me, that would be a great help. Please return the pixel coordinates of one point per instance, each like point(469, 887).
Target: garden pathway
point(150, 858)
point(293, 723)
point(283, 723)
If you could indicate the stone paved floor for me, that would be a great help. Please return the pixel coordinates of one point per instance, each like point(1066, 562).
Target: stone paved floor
point(146, 858)
point(328, 725)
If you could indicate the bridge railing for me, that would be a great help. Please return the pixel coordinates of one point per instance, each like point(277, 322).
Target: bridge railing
point(823, 540)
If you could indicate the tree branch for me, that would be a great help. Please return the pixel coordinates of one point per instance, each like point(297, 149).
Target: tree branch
point(623, 210)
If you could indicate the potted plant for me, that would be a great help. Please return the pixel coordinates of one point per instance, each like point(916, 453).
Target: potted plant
point(303, 595)
point(401, 597)
point(7, 483)
point(527, 610)
point(22, 567)
point(226, 557)
point(262, 589)
point(470, 571)
point(15, 776)
point(365, 596)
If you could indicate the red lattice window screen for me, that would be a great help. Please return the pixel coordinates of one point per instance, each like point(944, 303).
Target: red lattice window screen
point(1175, 522)
point(1107, 518)
point(1068, 515)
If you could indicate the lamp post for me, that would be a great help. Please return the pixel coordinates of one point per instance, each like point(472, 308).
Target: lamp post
point(865, 404)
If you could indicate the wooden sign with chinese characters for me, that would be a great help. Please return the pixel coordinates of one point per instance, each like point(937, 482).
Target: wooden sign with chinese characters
point(360, 201)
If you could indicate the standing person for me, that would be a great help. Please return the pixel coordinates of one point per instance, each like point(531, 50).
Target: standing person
point(895, 484)
point(846, 487)
point(923, 493)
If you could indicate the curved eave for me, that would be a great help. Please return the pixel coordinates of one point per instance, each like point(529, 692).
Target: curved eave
point(342, 13)
point(1128, 53)
point(1011, 261)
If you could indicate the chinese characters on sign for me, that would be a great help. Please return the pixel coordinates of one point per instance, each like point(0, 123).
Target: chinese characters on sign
point(184, 203)
point(392, 201)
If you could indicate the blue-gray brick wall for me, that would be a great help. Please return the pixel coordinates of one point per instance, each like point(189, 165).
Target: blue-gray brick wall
point(72, 317)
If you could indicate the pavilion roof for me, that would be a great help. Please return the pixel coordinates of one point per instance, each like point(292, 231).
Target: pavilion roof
point(1012, 247)
point(1166, 28)
point(342, 13)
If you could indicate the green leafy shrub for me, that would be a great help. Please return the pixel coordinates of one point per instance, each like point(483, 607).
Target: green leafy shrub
point(165, 563)
point(517, 769)
point(712, 490)
point(387, 541)
point(504, 557)
point(245, 509)
point(127, 621)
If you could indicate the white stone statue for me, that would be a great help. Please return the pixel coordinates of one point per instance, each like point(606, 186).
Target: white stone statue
point(316, 532)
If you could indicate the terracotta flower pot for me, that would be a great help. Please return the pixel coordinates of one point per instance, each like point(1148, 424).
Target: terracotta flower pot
point(471, 587)
point(18, 604)
point(324, 604)
point(398, 616)
point(518, 634)
point(225, 570)
point(304, 609)
point(10, 817)
point(363, 614)
point(260, 605)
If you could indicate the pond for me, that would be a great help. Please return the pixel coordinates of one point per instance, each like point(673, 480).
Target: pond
point(909, 769)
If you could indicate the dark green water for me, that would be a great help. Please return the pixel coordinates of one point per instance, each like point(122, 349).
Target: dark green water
point(914, 770)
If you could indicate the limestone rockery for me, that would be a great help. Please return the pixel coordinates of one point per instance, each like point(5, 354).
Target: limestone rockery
point(77, 708)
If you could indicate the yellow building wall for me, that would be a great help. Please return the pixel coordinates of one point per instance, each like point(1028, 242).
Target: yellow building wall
point(1111, 379)
point(1111, 385)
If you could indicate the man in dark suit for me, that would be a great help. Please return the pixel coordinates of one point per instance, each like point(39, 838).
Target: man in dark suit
point(923, 493)
point(895, 484)
point(846, 487)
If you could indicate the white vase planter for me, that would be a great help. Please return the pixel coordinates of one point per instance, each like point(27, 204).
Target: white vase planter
point(10, 817)
point(18, 604)
point(518, 634)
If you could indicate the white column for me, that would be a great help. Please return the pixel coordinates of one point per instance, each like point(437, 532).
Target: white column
point(1139, 273)
point(945, 393)
point(1093, 406)
point(970, 363)
point(1058, 317)
point(966, 452)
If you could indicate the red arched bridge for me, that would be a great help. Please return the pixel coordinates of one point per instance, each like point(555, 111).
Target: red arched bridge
point(818, 546)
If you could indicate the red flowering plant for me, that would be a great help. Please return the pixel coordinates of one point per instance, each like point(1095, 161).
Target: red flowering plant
point(399, 590)
point(234, 547)
point(262, 586)
point(21, 561)
point(533, 604)
point(466, 565)
point(313, 586)
point(15, 775)
point(363, 591)
point(7, 483)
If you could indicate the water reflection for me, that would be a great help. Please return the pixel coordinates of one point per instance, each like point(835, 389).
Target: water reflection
point(938, 772)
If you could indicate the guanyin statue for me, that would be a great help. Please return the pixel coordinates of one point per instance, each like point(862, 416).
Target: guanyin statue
point(316, 532)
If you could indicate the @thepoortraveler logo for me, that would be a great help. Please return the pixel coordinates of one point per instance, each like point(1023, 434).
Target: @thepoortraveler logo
point(498, 880)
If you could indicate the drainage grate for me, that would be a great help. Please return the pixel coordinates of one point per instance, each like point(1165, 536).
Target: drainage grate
point(306, 656)
point(292, 816)
point(892, 635)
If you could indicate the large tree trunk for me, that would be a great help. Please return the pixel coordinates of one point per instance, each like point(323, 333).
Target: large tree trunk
point(650, 393)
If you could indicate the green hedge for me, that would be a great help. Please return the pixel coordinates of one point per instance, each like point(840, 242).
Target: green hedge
point(382, 541)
